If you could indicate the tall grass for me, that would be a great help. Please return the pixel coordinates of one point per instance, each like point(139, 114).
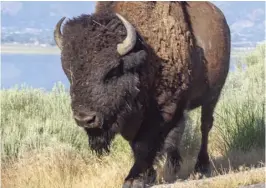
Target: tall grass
point(43, 147)
point(240, 114)
point(242, 128)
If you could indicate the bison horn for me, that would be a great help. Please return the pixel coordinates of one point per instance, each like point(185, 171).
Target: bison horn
point(57, 33)
point(130, 41)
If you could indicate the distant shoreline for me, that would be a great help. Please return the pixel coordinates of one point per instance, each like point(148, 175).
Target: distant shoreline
point(31, 49)
point(23, 49)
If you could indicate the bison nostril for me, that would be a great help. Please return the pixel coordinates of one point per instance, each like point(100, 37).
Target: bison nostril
point(90, 119)
point(86, 119)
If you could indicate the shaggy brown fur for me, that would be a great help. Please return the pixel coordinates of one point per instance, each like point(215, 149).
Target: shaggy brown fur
point(163, 26)
point(180, 61)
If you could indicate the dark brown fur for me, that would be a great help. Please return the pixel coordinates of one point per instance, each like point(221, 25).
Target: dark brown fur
point(180, 62)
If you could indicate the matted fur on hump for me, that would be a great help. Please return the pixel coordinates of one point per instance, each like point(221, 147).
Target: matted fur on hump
point(164, 27)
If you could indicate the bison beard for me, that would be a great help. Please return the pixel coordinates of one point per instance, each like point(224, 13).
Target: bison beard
point(100, 140)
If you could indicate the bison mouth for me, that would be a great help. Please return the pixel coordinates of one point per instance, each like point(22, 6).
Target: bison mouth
point(100, 134)
point(127, 124)
point(101, 129)
point(100, 140)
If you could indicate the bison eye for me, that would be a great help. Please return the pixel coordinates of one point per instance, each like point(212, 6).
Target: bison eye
point(115, 72)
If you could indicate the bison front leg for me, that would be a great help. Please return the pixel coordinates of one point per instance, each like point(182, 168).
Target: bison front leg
point(142, 171)
point(145, 146)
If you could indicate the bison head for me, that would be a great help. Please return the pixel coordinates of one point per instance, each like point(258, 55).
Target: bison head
point(104, 57)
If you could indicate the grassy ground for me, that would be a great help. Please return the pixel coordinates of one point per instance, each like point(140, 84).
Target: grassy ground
point(231, 179)
point(42, 146)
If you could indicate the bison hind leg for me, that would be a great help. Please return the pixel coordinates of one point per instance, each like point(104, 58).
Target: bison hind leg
point(203, 163)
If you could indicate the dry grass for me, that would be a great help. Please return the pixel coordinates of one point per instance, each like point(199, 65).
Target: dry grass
point(61, 167)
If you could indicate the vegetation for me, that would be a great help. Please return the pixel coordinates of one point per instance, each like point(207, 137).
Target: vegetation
point(42, 146)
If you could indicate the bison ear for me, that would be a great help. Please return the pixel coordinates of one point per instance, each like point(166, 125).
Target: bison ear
point(129, 63)
point(134, 60)
point(115, 72)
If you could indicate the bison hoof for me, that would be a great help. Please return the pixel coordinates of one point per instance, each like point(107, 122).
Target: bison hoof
point(150, 176)
point(136, 183)
point(203, 169)
point(170, 172)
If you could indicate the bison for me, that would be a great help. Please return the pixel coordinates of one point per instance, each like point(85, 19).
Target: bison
point(135, 68)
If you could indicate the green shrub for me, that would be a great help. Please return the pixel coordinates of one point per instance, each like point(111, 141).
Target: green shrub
point(240, 113)
point(241, 126)
point(32, 119)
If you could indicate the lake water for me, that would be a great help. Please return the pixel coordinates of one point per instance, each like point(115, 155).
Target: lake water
point(38, 71)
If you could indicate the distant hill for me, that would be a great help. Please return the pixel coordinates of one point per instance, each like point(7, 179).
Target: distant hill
point(246, 20)
point(33, 22)
point(41, 14)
